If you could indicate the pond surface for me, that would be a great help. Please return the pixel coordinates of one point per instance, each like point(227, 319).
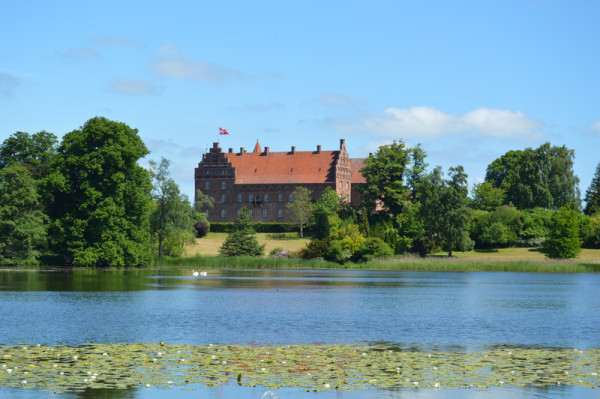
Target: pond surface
point(409, 310)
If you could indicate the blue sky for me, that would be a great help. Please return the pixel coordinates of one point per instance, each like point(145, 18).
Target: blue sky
point(469, 80)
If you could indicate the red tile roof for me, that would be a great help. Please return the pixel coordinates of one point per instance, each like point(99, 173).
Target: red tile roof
point(356, 165)
point(284, 167)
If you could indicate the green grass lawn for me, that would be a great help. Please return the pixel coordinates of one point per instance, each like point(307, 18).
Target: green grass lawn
point(504, 259)
point(210, 244)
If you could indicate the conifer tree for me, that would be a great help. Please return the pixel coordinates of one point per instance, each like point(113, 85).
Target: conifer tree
point(592, 195)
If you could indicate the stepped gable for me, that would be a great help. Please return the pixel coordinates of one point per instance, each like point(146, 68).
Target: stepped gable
point(293, 167)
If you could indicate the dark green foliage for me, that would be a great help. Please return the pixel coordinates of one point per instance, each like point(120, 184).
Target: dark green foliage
point(322, 226)
point(336, 252)
point(531, 178)
point(228, 227)
point(316, 248)
point(101, 196)
point(563, 239)
point(536, 227)
point(444, 209)
point(22, 223)
point(499, 228)
point(386, 173)
point(35, 151)
point(373, 247)
point(592, 195)
point(242, 241)
point(365, 228)
point(202, 225)
point(590, 231)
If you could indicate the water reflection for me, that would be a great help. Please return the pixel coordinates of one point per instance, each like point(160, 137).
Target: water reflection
point(429, 311)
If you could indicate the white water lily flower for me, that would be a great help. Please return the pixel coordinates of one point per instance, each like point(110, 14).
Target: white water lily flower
point(147, 386)
point(75, 357)
point(327, 385)
point(169, 382)
point(436, 385)
point(24, 382)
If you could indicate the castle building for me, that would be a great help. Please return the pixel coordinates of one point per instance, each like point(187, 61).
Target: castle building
point(263, 181)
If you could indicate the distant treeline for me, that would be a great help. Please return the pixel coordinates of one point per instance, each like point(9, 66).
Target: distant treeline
point(86, 201)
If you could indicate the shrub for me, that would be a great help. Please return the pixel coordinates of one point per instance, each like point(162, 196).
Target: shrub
point(276, 251)
point(373, 247)
point(316, 248)
point(563, 240)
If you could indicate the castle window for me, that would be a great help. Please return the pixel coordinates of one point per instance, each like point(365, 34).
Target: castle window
point(207, 185)
point(280, 198)
point(341, 185)
point(223, 213)
point(207, 213)
point(239, 197)
point(250, 198)
point(291, 198)
point(347, 185)
point(266, 197)
point(280, 213)
point(264, 213)
point(223, 198)
point(251, 213)
point(223, 184)
point(223, 172)
point(238, 213)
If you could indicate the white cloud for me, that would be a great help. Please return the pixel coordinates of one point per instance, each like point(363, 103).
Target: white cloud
point(595, 127)
point(128, 85)
point(428, 123)
point(173, 65)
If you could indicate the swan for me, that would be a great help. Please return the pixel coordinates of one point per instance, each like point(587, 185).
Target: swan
point(194, 273)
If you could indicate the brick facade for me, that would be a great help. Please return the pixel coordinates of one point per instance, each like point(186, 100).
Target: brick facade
point(263, 181)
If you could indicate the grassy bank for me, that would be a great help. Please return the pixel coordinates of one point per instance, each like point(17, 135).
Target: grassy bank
point(204, 254)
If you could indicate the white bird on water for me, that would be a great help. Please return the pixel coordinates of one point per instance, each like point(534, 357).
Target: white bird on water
point(195, 273)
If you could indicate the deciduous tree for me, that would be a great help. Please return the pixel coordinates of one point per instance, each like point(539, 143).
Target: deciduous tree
point(22, 223)
point(300, 208)
point(101, 196)
point(172, 215)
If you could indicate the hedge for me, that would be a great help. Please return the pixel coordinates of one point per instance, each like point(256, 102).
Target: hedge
point(258, 227)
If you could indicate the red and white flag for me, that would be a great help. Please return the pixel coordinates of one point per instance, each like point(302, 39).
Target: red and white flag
point(223, 131)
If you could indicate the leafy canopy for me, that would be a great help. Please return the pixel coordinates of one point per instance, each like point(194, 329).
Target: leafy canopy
point(101, 196)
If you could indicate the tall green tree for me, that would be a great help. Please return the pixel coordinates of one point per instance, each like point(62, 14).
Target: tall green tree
point(34, 150)
point(101, 196)
point(386, 175)
point(444, 208)
point(541, 177)
point(301, 208)
point(592, 195)
point(172, 215)
point(23, 225)
point(242, 240)
point(563, 241)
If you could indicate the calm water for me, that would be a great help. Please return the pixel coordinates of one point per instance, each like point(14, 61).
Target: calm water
point(446, 311)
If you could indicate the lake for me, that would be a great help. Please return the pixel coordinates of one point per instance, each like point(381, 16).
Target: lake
point(407, 310)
